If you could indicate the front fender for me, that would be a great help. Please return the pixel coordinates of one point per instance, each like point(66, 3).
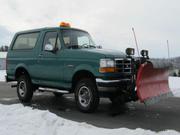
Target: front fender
point(85, 67)
point(71, 71)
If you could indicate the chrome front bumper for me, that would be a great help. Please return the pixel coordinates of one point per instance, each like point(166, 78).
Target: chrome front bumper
point(110, 83)
point(99, 80)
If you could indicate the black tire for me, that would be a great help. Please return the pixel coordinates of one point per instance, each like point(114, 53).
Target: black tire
point(25, 89)
point(90, 90)
point(56, 94)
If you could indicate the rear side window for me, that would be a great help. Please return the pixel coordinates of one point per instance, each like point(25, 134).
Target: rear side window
point(26, 41)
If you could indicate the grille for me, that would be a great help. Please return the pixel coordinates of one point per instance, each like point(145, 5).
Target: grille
point(123, 65)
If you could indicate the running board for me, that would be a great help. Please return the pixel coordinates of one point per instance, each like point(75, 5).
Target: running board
point(53, 90)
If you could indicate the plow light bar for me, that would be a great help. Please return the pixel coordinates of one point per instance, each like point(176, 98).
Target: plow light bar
point(144, 53)
point(130, 51)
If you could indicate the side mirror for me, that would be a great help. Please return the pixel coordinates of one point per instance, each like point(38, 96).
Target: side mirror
point(49, 47)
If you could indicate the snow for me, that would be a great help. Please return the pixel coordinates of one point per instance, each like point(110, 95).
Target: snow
point(174, 84)
point(3, 54)
point(2, 75)
point(19, 120)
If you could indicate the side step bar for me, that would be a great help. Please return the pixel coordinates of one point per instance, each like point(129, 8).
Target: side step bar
point(53, 90)
point(45, 89)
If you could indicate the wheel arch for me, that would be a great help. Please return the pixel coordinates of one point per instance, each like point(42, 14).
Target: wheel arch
point(79, 75)
point(21, 70)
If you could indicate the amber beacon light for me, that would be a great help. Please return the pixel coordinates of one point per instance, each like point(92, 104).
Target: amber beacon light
point(64, 24)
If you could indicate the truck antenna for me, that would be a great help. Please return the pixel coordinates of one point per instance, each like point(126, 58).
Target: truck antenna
point(136, 42)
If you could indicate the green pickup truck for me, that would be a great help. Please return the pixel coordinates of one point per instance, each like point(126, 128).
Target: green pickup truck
point(65, 60)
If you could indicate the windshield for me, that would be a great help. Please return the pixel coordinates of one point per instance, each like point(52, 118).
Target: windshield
point(77, 39)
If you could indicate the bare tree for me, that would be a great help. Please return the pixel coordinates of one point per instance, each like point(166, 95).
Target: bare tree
point(4, 48)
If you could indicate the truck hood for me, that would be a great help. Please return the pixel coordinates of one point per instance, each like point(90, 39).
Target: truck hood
point(107, 53)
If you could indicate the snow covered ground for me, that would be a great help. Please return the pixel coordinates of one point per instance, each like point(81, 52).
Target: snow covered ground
point(174, 84)
point(2, 75)
point(19, 120)
point(3, 54)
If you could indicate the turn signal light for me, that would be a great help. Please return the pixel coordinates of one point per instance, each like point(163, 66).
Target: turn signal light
point(107, 69)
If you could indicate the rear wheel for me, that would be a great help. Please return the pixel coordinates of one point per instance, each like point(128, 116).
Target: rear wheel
point(25, 89)
point(86, 95)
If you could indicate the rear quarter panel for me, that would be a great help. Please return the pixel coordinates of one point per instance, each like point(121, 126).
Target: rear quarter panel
point(21, 58)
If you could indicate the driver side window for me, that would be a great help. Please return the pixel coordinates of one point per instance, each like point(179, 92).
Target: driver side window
point(53, 39)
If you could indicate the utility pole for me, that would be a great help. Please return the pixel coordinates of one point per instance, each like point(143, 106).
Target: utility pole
point(168, 49)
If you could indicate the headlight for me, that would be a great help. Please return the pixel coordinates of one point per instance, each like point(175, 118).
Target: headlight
point(107, 65)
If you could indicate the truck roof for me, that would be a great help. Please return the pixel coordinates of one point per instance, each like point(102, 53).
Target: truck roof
point(46, 28)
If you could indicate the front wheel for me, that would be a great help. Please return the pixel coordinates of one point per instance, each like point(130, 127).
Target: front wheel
point(86, 95)
point(25, 89)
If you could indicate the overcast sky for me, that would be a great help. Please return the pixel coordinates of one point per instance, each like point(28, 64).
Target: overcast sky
point(109, 22)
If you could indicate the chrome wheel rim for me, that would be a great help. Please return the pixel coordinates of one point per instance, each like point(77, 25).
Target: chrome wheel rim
point(22, 88)
point(84, 96)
